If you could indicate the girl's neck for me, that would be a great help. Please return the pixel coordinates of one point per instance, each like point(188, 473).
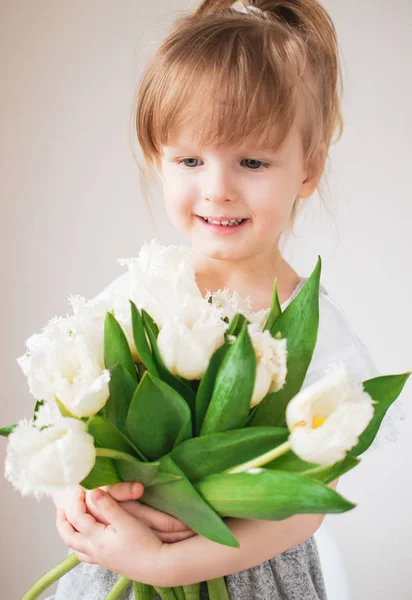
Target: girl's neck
point(255, 281)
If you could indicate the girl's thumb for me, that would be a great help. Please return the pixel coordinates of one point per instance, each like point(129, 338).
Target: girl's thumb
point(126, 490)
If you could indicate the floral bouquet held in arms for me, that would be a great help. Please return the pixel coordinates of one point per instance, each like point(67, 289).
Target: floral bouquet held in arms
point(199, 399)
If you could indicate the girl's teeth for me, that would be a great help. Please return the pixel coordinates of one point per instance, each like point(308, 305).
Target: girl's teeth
point(224, 223)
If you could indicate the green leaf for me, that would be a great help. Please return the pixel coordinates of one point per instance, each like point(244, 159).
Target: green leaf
point(141, 370)
point(207, 383)
point(150, 325)
point(146, 472)
point(299, 324)
point(163, 477)
point(236, 324)
point(129, 467)
point(103, 473)
point(290, 462)
point(215, 453)
point(175, 382)
point(181, 500)
point(293, 464)
point(158, 418)
point(140, 340)
point(122, 387)
point(232, 393)
point(106, 435)
point(116, 346)
point(328, 474)
point(275, 308)
point(384, 390)
point(6, 431)
point(272, 495)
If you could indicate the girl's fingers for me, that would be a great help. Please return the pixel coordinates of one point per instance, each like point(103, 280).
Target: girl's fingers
point(72, 538)
point(155, 519)
point(177, 536)
point(126, 490)
point(78, 516)
point(93, 510)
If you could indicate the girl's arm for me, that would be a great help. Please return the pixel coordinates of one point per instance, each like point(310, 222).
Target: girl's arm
point(199, 559)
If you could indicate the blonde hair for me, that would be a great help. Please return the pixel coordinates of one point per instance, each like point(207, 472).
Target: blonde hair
point(237, 75)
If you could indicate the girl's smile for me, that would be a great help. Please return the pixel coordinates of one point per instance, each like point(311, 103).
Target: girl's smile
point(223, 226)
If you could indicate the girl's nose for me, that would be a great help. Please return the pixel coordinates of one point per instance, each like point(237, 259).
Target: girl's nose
point(219, 187)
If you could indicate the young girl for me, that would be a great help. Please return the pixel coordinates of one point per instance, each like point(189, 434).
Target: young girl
point(235, 114)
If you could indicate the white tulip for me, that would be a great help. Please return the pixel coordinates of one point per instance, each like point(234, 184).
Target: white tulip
point(40, 461)
point(327, 417)
point(47, 414)
point(89, 317)
point(271, 358)
point(230, 302)
point(187, 341)
point(59, 363)
point(161, 278)
point(258, 319)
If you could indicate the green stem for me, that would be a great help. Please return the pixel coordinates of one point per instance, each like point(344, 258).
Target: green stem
point(142, 591)
point(192, 592)
point(165, 593)
point(179, 593)
point(109, 453)
point(119, 588)
point(52, 576)
point(217, 589)
point(262, 459)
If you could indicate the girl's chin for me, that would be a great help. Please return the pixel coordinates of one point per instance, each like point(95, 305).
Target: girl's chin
point(220, 250)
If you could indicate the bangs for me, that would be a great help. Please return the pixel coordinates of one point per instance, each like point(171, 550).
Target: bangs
point(227, 85)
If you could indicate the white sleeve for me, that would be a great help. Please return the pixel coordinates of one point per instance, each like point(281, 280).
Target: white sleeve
point(337, 341)
point(119, 285)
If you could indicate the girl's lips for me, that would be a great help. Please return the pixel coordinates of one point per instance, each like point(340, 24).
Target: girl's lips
point(223, 229)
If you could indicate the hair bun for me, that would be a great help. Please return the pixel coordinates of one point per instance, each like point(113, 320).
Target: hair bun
point(287, 11)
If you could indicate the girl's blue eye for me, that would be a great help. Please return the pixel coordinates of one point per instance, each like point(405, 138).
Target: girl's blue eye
point(254, 167)
point(256, 162)
point(183, 160)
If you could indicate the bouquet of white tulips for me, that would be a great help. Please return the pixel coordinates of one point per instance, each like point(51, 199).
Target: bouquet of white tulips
point(199, 399)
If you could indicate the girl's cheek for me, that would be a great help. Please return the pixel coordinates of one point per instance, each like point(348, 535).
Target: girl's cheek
point(181, 205)
point(177, 215)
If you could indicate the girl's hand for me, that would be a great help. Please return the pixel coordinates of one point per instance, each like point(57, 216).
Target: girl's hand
point(167, 528)
point(125, 545)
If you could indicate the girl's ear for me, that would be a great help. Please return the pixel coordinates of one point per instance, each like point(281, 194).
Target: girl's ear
point(313, 177)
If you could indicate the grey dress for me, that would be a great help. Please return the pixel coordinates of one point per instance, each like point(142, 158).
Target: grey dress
point(293, 575)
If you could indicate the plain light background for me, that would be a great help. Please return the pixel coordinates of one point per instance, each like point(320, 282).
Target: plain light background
point(71, 205)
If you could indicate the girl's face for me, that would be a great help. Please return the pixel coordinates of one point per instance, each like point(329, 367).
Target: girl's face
point(257, 185)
